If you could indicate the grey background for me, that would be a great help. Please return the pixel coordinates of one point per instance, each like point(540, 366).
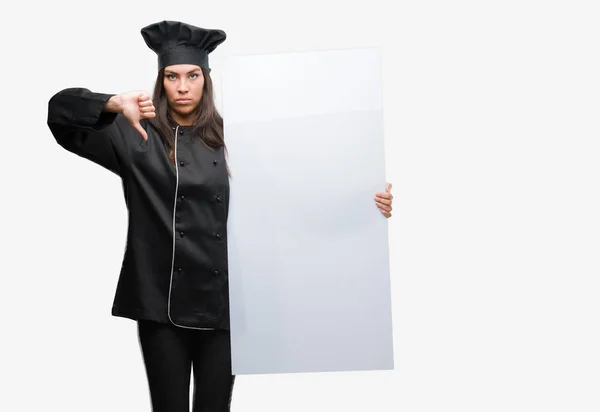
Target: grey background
point(491, 131)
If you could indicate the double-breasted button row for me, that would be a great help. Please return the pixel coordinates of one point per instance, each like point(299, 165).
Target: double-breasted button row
point(182, 163)
point(215, 272)
point(217, 198)
point(182, 233)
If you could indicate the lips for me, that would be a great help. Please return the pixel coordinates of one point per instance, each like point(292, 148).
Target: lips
point(183, 101)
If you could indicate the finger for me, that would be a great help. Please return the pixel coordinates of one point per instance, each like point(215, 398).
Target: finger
point(386, 214)
point(145, 103)
point(384, 208)
point(383, 201)
point(143, 97)
point(388, 187)
point(147, 109)
point(141, 130)
point(384, 196)
point(384, 205)
point(150, 115)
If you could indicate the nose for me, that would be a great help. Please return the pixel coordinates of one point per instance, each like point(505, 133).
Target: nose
point(182, 87)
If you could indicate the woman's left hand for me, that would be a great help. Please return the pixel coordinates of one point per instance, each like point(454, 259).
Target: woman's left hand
point(383, 200)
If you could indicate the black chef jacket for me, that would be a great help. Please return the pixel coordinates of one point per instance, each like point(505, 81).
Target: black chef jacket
point(175, 264)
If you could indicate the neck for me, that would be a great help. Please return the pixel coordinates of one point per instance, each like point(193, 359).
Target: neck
point(183, 120)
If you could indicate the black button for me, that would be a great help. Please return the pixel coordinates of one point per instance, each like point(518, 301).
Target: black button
point(218, 199)
point(180, 270)
point(181, 234)
point(181, 197)
point(216, 272)
point(180, 131)
point(181, 163)
point(218, 235)
point(215, 162)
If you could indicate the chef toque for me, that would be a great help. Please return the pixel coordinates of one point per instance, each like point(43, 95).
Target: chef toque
point(180, 43)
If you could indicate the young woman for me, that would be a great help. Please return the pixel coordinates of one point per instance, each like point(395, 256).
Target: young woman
point(169, 153)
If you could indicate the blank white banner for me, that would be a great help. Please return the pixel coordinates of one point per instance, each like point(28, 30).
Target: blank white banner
point(308, 248)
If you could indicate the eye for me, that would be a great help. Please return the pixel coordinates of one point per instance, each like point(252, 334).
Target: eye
point(171, 76)
point(194, 75)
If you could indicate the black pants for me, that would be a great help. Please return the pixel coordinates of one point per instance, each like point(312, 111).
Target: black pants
point(169, 353)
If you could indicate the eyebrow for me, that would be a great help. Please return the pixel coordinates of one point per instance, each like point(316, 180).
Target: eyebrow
point(190, 72)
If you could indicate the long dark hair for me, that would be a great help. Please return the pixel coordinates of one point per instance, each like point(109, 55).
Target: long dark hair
point(208, 124)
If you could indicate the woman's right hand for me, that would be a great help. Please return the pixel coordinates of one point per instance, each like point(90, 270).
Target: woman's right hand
point(134, 106)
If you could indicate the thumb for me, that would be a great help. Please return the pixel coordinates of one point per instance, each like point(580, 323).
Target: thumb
point(140, 130)
point(388, 187)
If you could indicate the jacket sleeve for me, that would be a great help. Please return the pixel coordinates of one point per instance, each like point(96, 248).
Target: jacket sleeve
point(77, 119)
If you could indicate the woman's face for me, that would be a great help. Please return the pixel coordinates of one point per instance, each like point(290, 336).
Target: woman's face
point(184, 84)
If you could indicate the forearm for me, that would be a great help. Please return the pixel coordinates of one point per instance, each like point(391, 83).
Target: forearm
point(82, 122)
point(80, 107)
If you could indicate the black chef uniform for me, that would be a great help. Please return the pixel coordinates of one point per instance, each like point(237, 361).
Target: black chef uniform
point(175, 264)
